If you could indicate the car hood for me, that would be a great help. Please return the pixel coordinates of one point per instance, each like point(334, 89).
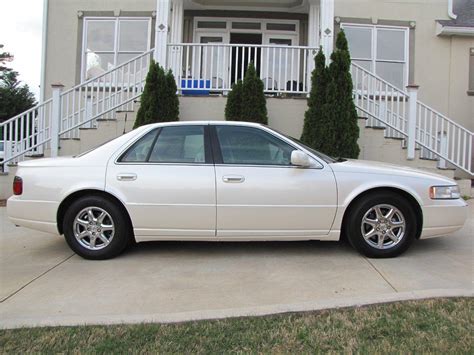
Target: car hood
point(373, 167)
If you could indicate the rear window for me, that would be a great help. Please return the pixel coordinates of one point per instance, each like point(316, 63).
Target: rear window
point(173, 144)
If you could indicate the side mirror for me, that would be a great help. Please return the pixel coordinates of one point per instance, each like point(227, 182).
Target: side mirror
point(298, 158)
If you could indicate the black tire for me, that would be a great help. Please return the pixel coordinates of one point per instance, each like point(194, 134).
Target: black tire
point(353, 225)
point(122, 231)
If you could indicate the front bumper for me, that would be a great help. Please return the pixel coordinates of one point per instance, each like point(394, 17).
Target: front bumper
point(443, 217)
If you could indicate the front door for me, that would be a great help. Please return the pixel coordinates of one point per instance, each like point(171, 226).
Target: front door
point(241, 56)
point(167, 182)
point(259, 192)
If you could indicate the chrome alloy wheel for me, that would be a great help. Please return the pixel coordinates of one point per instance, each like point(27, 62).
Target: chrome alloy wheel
point(383, 226)
point(93, 228)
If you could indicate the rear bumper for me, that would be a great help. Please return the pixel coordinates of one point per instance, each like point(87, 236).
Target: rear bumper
point(444, 218)
point(38, 215)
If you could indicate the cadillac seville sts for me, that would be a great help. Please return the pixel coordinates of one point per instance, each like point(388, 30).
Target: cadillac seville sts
point(228, 181)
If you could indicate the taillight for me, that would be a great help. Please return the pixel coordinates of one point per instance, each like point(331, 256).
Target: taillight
point(17, 185)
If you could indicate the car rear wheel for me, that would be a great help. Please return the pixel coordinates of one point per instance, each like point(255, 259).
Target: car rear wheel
point(96, 228)
point(381, 225)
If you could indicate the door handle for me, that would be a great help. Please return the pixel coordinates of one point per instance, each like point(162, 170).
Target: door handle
point(233, 178)
point(126, 177)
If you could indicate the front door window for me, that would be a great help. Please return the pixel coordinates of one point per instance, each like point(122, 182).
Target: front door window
point(252, 146)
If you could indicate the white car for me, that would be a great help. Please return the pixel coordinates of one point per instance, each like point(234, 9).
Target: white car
point(228, 181)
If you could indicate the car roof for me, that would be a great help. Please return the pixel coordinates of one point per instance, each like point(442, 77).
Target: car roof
point(179, 123)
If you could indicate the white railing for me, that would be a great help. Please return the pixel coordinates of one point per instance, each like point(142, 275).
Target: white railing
point(383, 103)
point(114, 90)
point(440, 136)
point(25, 134)
point(405, 117)
point(214, 67)
point(40, 127)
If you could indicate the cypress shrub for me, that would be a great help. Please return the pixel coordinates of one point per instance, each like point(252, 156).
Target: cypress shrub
point(340, 104)
point(315, 121)
point(246, 101)
point(233, 107)
point(254, 104)
point(171, 107)
point(159, 102)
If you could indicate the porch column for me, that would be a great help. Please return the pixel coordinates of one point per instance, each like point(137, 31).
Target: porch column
point(161, 31)
point(327, 27)
point(177, 18)
point(176, 37)
point(313, 23)
point(313, 36)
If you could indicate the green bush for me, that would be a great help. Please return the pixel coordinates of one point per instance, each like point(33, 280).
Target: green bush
point(159, 101)
point(330, 124)
point(233, 107)
point(315, 120)
point(341, 103)
point(246, 101)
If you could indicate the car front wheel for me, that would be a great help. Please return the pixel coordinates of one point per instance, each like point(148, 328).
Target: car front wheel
point(382, 225)
point(96, 228)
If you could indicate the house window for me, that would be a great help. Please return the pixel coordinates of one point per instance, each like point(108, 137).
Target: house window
point(380, 49)
point(471, 72)
point(108, 42)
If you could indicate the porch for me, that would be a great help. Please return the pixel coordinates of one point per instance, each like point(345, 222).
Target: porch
point(209, 47)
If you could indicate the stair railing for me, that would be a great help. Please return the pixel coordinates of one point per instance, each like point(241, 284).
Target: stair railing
point(114, 90)
point(25, 134)
point(404, 116)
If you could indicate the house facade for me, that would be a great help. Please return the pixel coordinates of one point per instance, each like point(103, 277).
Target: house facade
point(412, 67)
point(404, 42)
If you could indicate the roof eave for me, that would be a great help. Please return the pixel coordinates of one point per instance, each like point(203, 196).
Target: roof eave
point(442, 30)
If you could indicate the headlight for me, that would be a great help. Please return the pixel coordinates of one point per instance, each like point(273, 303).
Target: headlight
point(445, 192)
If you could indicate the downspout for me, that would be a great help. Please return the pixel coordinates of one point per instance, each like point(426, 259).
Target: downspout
point(450, 10)
point(43, 50)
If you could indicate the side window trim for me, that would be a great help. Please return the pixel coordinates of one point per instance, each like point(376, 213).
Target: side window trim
point(147, 159)
point(215, 144)
point(208, 153)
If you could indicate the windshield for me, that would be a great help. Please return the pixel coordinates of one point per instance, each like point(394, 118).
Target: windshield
point(323, 156)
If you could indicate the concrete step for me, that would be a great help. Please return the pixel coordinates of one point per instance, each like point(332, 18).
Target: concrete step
point(449, 173)
point(106, 129)
point(420, 163)
point(465, 185)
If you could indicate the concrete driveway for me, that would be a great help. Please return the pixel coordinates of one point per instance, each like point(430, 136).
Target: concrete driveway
point(44, 283)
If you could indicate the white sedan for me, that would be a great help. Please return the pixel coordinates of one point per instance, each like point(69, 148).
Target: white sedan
point(228, 181)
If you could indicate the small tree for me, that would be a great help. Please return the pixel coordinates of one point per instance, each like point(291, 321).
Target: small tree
point(254, 105)
point(340, 104)
point(246, 101)
point(315, 121)
point(233, 107)
point(171, 104)
point(159, 102)
point(15, 97)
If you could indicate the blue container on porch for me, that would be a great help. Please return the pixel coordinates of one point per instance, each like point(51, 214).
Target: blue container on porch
point(195, 87)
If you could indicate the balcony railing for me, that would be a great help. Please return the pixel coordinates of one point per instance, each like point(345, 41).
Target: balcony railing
point(206, 68)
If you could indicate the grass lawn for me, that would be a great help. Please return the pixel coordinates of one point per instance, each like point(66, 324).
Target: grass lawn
point(443, 325)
